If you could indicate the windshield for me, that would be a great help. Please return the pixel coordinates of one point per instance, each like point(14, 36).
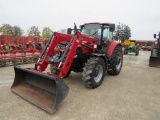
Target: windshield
point(92, 29)
point(97, 30)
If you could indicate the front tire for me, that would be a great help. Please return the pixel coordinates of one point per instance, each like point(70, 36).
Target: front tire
point(93, 72)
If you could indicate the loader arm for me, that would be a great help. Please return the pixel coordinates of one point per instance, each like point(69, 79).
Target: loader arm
point(56, 39)
point(69, 54)
point(67, 57)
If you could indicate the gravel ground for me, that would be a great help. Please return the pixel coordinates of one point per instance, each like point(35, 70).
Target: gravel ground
point(132, 95)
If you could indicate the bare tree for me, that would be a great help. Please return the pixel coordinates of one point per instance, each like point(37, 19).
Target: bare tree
point(34, 31)
point(17, 31)
point(6, 29)
point(122, 32)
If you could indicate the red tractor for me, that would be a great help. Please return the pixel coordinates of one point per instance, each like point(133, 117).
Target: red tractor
point(90, 50)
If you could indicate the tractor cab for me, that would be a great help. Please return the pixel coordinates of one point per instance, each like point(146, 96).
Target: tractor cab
point(102, 31)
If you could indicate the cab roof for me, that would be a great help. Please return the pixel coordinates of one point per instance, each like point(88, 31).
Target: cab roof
point(101, 23)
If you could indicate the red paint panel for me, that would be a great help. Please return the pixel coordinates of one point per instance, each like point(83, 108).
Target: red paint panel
point(111, 47)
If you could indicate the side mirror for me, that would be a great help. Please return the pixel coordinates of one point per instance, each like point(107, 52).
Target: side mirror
point(69, 31)
point(112, 27)
point(154, 36)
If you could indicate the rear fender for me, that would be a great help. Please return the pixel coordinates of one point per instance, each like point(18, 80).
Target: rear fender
point(111, 47)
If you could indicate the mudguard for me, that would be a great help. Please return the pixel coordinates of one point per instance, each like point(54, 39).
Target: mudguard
point(111, 47)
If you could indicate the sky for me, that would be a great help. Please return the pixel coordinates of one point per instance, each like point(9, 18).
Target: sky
point(142, 16)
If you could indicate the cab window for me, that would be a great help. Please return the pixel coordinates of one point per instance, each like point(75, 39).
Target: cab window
point(107, 35)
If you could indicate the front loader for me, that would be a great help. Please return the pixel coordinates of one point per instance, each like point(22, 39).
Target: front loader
point(154, 60)
point(90, 50)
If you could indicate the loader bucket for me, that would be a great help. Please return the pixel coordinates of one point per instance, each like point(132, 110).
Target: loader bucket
point(44, 91)
point(154, 61)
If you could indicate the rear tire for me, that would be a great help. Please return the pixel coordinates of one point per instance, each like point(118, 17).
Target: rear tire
point(137, 51)
point(125, 51)
point(93, 72)
point(116, 61)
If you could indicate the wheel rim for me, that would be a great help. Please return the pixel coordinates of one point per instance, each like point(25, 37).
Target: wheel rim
point(98, 73)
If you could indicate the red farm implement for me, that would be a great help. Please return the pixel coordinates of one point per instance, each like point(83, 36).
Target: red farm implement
point(34, 42)
point(13, 50)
